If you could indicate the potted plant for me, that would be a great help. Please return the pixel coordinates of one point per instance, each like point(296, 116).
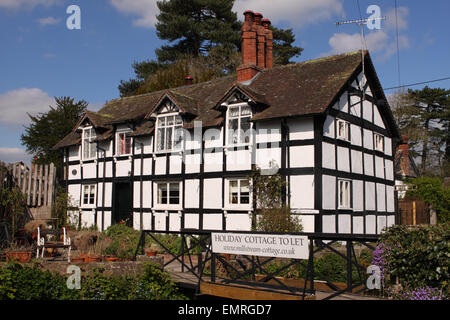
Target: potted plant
point(20, 253)
point(152, 250)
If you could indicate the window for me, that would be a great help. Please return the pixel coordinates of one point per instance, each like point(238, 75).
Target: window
point(379, 142)
point(169, 137)
point(344, 194)
point(343, 130)
point(168, 193)
point(124, 143)
point(239, 191)
point(89, 147)
point(89, 194)
point(238, 124)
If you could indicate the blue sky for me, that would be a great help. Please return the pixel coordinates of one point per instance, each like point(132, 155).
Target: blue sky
point(40, 58)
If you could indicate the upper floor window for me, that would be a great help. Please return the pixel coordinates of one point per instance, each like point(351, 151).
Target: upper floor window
point(343, 130)
point(379, 142)
point(344, 194)
point(89, 147)
point(124, 143)
point(168, 135)
point(88, 194)
point(238, 124)
point(238, 192)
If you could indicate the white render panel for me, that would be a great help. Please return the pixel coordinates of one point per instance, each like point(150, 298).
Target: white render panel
point(146, 141)
point(191, 192)
point(137, 167)
point(388, 146)
point(370, 224)
point(213, 137)
point(175, 164)
point(358, 195)
point(87, 219)
point(343, 102)
point(212, 221)
point(355, 132)
point(108, 171)
point(89, 171)
point(238, 222)
point(147, 186)
point(368, 164)
point(74, 169)
point(301, 156)
point(160, 165)
point(174, 221)
point(300, 129)
point(381, 223)
point(268, 132)
point(136, 194)
point(191, 221)
point(136, 221)
point(307, 222)
point(358, 225)
point(328, 155)
point(355, 109)
point(328, 127)
point(192, 163)
point(390, 198)
point(390, 220)
point(123, 168)
point(368, 139)
point(357, 162)
point(329, 192)
point(212, 193)
point(389, 169)
point(379, 167)
point(367, 110)
point(213, 161)
point(74, 194)
point(239, 160)
point(343, 159)
point(160, 220)
point(377, 119)
point(147, 221)
point(302, 192)
point(107, 221)
point(267, 155)
point(344, 223)
point(370, 195)
point(381, 197)
point(329, 223)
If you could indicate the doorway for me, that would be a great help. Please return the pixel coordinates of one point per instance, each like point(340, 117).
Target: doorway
point(123, 203)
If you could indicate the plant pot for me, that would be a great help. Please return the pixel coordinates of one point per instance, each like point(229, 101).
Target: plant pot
point(111, 259)
point(77, 259)
point(21, 256)
point(150, 253)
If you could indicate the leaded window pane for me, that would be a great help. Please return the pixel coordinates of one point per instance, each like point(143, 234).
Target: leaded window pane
point(162, 193)
point(234, 192)
point(174, 196)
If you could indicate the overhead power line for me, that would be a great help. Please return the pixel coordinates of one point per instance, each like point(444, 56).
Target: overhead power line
point(417, 83)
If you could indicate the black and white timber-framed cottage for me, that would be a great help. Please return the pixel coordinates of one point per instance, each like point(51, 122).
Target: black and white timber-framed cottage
point(325, 123)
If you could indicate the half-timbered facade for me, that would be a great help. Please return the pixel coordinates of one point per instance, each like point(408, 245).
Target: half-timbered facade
point(181, 158)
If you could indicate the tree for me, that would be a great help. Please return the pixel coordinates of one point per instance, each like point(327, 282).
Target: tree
point(47, 129)
point(283, 49)
point(423, 115)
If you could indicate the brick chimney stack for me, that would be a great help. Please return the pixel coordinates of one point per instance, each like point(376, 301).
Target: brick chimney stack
point(257, 42)
point(403, 147)
point(188, 80)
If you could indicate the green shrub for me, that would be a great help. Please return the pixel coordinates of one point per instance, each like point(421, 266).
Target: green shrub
point(124, 241)
point(416, 256)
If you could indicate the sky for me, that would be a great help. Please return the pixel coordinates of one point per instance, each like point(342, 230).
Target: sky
point(42, 56)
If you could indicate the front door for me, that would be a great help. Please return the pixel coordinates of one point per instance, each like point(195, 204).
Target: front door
point(123, 203)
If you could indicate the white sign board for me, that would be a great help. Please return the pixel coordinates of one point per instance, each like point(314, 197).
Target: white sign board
point(266, 245)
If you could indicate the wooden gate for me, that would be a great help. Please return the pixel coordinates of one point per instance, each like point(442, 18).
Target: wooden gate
point(413, 212)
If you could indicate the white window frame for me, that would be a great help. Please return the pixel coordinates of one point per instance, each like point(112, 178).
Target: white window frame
point(168, 205)
point(239, 117)
point(118, 147)
point(344, 203)
point(378, 142)
point(239, 205)
point(91, 145)
point(92, 194)
point(346, 135)
point(174, 128)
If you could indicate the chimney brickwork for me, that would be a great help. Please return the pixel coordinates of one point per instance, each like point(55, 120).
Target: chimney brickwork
point(257, 41)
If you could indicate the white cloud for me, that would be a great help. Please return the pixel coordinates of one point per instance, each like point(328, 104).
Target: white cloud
point(402, 19)
point(27, 4)
point(15, 105)
point(11, 155)
point(296, 12)
point(48, 21)
point(145, 10)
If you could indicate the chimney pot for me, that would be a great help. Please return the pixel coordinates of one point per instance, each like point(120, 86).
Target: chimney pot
point(257, 17)
point(188, 80)
point(266, 23)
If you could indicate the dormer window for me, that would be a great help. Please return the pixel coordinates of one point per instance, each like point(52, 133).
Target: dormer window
point(168, 134)
point(238, 124)
point(123, 143)
point(89, 147)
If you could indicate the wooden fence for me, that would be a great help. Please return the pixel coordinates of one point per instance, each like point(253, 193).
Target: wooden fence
point(413, 212)
point(38, 184)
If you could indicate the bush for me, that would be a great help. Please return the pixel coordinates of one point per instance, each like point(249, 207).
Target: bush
point(415, 256)
point(123, 241)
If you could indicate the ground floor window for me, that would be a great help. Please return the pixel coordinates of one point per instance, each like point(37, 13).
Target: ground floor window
point(89, 194)
point(239, 191)
point(344, 194)
point(168, 193)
